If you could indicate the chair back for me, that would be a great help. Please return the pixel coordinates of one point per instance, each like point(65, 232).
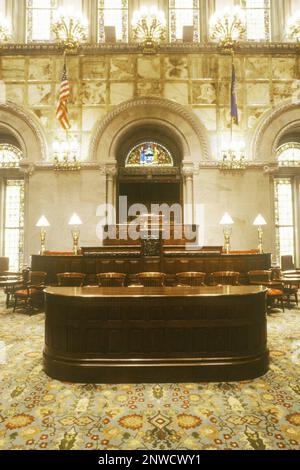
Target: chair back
point(37, 278)
point(226, 278)
point(70, 279)
point(152, 279)
point(4, 264)
point(111, 279)
point(287, 263)
point(191, 279)
point(260, 276)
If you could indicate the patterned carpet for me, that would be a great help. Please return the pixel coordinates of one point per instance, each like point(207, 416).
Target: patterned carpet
point(39, 413)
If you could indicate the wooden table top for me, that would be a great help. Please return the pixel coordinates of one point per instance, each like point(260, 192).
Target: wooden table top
point(290, 279)
point(100, 292)
point(9, 282)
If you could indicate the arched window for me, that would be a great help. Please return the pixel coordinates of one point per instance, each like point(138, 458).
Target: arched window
point(286, 200)
point(258, 19)
point(288, 155)
point(10, 156)
point(184, 13)
point(149, 154)
point(284, 217)
point(13, 214)
point(113, 13)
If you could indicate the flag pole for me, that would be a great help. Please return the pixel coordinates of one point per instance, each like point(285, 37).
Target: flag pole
point(65, 65)
point(231, 126)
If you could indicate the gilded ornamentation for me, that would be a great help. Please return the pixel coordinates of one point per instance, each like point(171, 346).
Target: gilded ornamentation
point(149, 28)
point(228, 27)
point(70, 29)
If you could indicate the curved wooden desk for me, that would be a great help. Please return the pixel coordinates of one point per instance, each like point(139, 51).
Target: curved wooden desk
point(142, 335)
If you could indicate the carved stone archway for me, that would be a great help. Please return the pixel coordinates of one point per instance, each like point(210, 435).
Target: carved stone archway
point(189, 133)
point(185, 124)
point(270, 129)
point(25, 127)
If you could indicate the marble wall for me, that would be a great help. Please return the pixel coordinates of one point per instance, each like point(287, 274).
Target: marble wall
point(200, 82)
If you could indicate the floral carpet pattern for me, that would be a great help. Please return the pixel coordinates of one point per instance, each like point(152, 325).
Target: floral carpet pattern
point(39, 413)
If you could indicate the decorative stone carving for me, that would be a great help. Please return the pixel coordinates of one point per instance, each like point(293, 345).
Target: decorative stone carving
point(162, 104)
point(15, 112)
point(188, 170)
point(267, 135)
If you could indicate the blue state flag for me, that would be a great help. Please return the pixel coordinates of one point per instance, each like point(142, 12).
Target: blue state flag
point(234, 108)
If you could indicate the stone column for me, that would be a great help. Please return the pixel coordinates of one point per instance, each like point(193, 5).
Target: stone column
point(111, 173)
point(188, 173)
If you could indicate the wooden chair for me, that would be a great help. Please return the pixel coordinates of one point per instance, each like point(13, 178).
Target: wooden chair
point(32, 290)
point(191, 279)
point(4, 264)
point(226, 278)
point(151, 279)
point(289, 290)
point(111, 279)
point(287, 263)
point(70, 279)
point(275, 292)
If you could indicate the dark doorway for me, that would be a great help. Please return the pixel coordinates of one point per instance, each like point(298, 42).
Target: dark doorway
point(151, 192)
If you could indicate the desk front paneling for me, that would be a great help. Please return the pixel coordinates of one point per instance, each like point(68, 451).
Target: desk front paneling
point(155, 335)
point(171, 264)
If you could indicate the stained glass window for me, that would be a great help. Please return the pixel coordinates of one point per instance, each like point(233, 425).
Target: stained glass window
point(113, 13)
point(284, 217)
point(14, 223)
point(183, 13)
point(258, 18)
point(10, 156)
point(149, 154)
point(39, 15)
point(288, 155)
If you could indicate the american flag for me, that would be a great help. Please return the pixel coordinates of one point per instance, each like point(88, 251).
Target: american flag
point(62, 106)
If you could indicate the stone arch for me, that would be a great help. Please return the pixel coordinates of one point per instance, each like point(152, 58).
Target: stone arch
point(271, 128)
point(190, 133)
point(26, 129)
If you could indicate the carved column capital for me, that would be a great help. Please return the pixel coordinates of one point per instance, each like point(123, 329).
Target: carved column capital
point(188, 170)
point(111, 170)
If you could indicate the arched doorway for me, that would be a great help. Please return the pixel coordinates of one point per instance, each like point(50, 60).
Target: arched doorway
point(149, 168)
point(158, 121)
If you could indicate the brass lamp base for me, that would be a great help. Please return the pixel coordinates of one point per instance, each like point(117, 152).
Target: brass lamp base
point(43, 241)
point(227, 246)
point(75, 236)
point(260, 241)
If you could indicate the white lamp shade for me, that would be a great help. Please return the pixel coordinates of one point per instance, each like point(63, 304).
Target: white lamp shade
point(75, 220)
point(226, 220)
point(43, 222)
point(259, 221)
